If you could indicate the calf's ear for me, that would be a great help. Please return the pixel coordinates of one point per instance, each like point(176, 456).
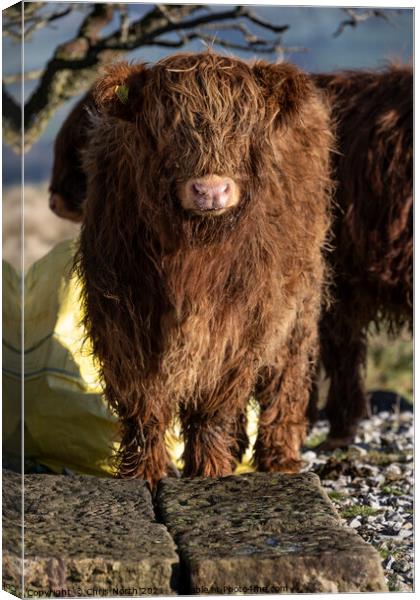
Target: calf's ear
point(117, 93)
point(285, 89)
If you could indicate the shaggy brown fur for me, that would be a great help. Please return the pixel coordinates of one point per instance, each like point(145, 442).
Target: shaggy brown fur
point(68, 181)
point(373, 231)
point(195, 312)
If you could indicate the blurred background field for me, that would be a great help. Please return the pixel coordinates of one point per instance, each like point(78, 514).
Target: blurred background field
point(43, 230)
point(390, 363)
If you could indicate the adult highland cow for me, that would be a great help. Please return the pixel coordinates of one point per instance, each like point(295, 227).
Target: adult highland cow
point(372, 258)
point(201, 256)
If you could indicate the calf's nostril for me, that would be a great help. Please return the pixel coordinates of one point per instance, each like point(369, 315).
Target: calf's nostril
point(200, 188)
point(210, 190)
point(212, 194)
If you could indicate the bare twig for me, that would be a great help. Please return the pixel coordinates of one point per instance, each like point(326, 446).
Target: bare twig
point(124, 21)
point(214, 40)
point(358, 17)
point(47, 20)
point(248, 35)
point(13, 14)
point(27, 76)
point(13, 23)
point(251, 16)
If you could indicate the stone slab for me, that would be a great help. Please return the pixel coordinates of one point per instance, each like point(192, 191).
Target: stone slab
point(265, 533)
point(12, 533)
point(90, 536)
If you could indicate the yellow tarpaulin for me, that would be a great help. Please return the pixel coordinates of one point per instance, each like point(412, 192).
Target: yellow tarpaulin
point(67, 423)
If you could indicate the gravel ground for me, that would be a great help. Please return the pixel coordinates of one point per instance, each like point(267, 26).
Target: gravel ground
point(371, 485)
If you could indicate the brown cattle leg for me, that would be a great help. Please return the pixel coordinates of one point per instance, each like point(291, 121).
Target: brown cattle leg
point(213, 428)
point(143, 453)
point(343, 344)
point(210, 446)
point(283, 395)
point(312, 412)
point(344, 357)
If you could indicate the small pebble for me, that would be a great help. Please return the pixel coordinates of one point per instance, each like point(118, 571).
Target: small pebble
point(393, 472)
point(355, 523)
point(401, 566)
point(356, 452)
point(405, 533)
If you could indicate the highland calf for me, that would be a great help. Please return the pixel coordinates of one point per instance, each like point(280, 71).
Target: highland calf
point(201, 256)
point(372, 244)
point(372, 257)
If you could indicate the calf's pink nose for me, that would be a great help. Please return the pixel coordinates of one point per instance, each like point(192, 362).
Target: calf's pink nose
point(211, 196)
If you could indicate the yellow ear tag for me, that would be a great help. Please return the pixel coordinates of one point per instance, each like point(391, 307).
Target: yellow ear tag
point(122, 93)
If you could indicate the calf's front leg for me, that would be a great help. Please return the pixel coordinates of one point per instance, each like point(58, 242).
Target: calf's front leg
point(214, 428)
point(283, 394)
point(142, 453)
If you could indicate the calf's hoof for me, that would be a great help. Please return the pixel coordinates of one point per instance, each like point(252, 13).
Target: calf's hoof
point(333, 443)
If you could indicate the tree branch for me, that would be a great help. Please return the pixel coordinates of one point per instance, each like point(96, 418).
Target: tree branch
point(74, 64)
point(12, 121)
point(60, 79)
point(251, 16)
